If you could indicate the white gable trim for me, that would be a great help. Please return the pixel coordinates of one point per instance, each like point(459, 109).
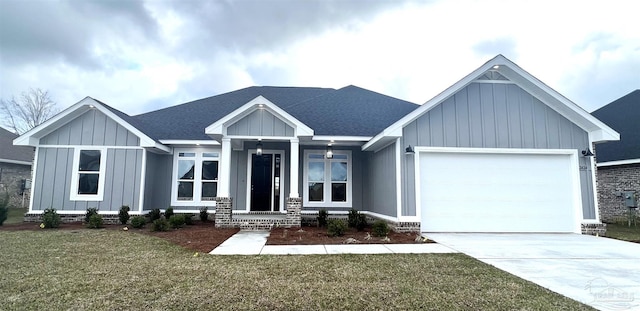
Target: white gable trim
point(32, 137)
point(220, 127)
point(597, 130)
point(619, 162)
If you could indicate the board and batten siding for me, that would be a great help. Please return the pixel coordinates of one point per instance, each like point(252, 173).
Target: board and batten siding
point(492, 115)
point(380, 180)
point(91, 128)
point(158, 179)
point(52, 184)
point(260, 123)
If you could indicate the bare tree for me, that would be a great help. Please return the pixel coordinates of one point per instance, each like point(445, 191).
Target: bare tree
point(29, 110)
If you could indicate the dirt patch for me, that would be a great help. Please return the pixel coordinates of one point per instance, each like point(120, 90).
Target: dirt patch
point(200, 237)
point(316, 235)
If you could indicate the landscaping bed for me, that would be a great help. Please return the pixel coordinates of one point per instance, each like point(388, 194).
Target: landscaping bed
point(319, 235)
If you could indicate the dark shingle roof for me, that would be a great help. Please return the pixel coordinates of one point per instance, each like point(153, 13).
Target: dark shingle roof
point(349, 111)
point(622, 115)
point(10, 152)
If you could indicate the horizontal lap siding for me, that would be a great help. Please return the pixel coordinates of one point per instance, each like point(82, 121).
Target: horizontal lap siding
point(484, 115)
point(91, 128)
point(260, 123)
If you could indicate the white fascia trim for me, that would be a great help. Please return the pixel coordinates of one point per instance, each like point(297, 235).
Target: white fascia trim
point(219, 127)
point(341, 138)
point(521, 78)
point(495, 150)
point(245, 137)
point(619, 162)
point(189, 142)
point(15, 162)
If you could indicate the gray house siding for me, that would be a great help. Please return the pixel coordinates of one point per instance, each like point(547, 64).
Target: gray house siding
point(157, 192)
point(52, 184)
point(260, 123)
point(91, 128)
point(379, 177)
point(487, 115)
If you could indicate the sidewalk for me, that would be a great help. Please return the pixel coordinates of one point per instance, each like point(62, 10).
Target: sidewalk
point(253, 243)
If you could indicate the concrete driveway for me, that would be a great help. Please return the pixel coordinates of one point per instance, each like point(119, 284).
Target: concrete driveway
point(601, 272)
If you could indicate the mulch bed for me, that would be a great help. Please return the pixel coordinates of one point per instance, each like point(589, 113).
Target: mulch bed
point(203, 236)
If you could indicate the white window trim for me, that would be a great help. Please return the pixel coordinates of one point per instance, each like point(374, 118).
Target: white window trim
point(197, 178)
point(326, 202)
point(73, 193)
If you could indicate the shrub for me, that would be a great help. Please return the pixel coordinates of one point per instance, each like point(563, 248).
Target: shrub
point(90, 212)
point(50, 218)
point(138, 222)
point(380, 228)
point(204, 216)
point(168, 212)
point(160, 224)
point(4, 208)
point(154, 215)
point(322, 217)
point(176, 221)
point(123, 214)
point(95, 221)
point(352, 219)
point(361, 222)
point(336, 227)
point(188, 219)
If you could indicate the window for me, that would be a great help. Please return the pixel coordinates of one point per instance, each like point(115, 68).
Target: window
point(87, 181)
point(196, 177)
point(327, 181)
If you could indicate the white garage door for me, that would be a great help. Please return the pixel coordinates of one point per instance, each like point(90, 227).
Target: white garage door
point(498, 192)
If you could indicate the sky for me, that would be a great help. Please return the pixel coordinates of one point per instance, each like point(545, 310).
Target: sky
point(139, 56)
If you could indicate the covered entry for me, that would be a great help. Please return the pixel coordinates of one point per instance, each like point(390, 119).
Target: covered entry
point(498, 190)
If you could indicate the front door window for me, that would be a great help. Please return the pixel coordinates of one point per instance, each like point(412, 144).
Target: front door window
point(266, 178)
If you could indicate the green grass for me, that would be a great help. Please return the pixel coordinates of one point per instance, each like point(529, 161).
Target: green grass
point(15, 216)
point(622, 231)
point(115, 270)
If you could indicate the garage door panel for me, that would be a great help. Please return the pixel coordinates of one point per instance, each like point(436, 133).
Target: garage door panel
point(471, 192)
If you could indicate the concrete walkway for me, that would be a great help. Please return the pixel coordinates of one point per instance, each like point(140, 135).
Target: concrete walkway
point(253, 243)
point(603, 273)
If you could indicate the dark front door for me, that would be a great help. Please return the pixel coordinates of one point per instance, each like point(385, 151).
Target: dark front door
point(261, 182)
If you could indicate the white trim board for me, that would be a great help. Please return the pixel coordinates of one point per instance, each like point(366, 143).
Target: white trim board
point(619, 162)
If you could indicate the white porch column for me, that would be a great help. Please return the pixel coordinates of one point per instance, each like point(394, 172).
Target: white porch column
point(224, 180)
point(293, 169)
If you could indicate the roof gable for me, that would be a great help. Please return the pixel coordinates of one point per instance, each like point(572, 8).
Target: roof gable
point(623, 115)
point(501, 70)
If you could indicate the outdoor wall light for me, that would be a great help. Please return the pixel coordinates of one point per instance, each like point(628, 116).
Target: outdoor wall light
point(587, 153)
point(259, 148)
point(409, 150)
point(329, 152)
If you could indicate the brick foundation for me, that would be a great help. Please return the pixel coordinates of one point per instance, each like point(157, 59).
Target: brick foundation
point(65, 218)
point(594, 229)
point(294, 207)
point(612, 180)
point(223, 217)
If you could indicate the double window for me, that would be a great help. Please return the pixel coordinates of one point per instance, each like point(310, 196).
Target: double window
point(327, 180)
point(195, 176)
point(87, 180)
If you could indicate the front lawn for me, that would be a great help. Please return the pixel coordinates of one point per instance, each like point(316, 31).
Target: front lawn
point(106, 269)
point(622, 231)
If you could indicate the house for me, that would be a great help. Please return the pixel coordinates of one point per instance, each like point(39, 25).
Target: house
point(15, 169)
point(498, 151)
point(619, 161)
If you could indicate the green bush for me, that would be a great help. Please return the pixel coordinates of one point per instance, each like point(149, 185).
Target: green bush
point(138, 222)
point(4, 208)
point(50, 218)
point(176, 221)
point(188, 219)
point(204, 216)
point(361, 222)
point(95, 221)
point(160, 224)
point(123, 214)
point(154, 215)
point(168, 213)
point(352, 219)
point(90, 212)
point(336, 227)
point(322, 217)
point(380, 228)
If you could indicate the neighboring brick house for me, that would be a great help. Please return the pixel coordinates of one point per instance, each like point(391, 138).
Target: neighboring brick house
point(15, 167)
point(619, 161)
